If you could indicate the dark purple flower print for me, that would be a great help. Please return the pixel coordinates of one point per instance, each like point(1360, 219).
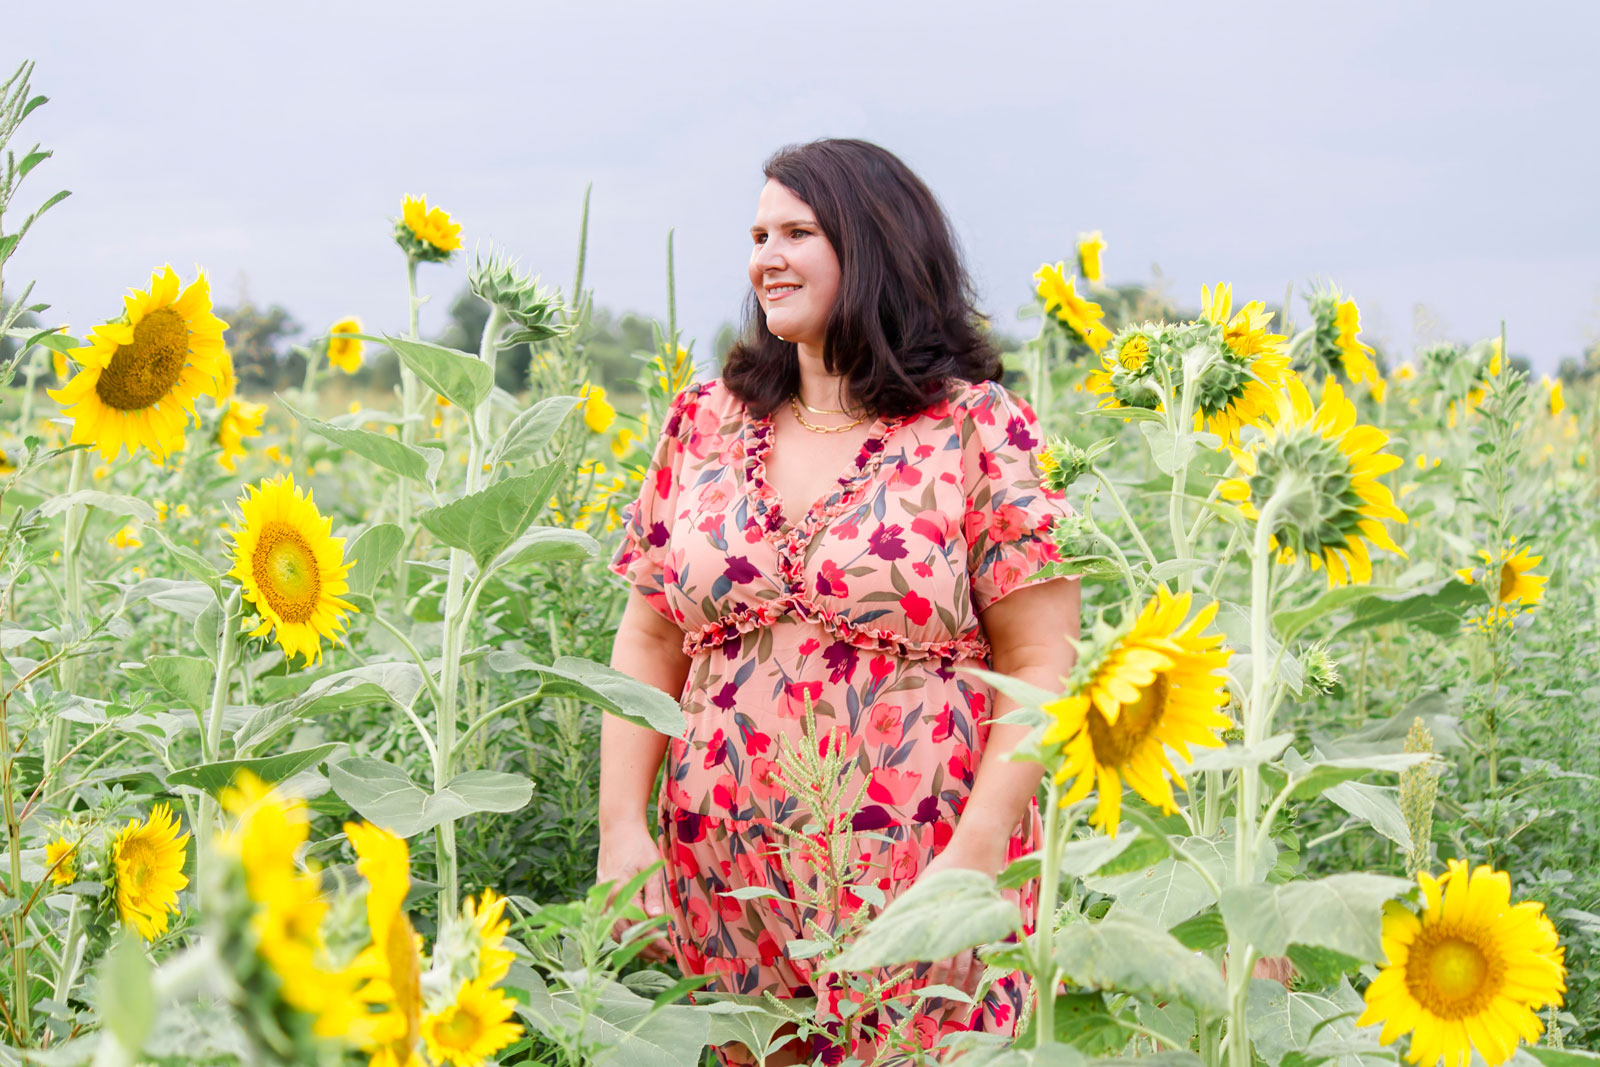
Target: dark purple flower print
point(870, 818)
point(658, 534)
point(841, 659)
point(886, 543)
point(928, 810)
point(740, 570)
point(1017, 433)
point(724, 697)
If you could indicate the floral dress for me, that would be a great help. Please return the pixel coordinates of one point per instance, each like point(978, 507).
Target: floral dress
point(866, 604)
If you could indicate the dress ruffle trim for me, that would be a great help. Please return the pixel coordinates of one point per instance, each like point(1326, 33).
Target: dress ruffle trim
point(970, 645)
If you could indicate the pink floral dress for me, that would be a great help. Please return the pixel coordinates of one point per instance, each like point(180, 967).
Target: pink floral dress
point(865, 603)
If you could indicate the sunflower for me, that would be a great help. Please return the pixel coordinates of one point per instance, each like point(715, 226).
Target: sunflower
point(426, 234)
point(1558, 399)
point(1469, 973)
point(1517, 590)
point(473, 1028)
point(240, 419)
point(141, 373)
point(391, 964)
point(1081, 316)
point(1090, 248)
point(61, 857)
point(147, 871)
point(126, 538)
point(1327, 470)
point(1155, 686)
point(1236, 390)
point(1334, 343)
point(673, 380)
point(490, 926)
point(291, 570)
point(227, 380)
point(598, 414)
point(344, 351)
point(1129, 376)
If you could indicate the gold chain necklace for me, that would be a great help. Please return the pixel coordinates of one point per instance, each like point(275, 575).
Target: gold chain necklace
point(822, 411)
point(794, 405)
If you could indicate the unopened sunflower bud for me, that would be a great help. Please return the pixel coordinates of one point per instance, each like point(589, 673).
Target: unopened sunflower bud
point(531, 308)
point(1419, 788)
point(1322, 670)
point(1074, 535)
point(1062, 463)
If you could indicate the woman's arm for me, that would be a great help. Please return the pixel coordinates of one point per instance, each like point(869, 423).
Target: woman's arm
point(649, 648)
point(1027, 630)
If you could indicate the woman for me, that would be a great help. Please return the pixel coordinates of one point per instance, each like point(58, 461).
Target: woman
point(862, 388)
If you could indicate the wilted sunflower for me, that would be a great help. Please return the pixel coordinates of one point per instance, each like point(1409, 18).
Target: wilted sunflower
point(61, 858)
point(1081, 316)
point(473, 1028)
point(1157, 684)
point(426, 234)
point(1328, 468)
point(239, 419)
point(1237, 390)
point(344, 351)
point(1469, 973)
point(1516, 589)
point(140, 374)
point(147, 871)
point(290, 568)
point(1335, 341)
point(1091, 246)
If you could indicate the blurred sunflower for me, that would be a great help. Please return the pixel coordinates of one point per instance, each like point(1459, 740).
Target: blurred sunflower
point(60, 856)
point(1334, 341)
point(598, 414)
point(392, 963)
point(240, 419)
point(1091, 246)
point(426, 234)
point(1468, 974)
point(490, 927)
point(674, 379)
point(290, 568)
point(344, 351)
point(141, 373)
point(126, 538)
point(1081, 316)
point(1327, 469)
point(147, 871)
point(1237, 390)
point(1155, 685)
point(1516, 590)
point(473, 1028)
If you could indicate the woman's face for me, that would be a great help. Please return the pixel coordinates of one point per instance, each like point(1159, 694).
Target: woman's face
point(790, 250)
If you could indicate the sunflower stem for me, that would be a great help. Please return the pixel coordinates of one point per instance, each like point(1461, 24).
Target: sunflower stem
point(19, 942)
point(72, 538)
point(1044, 965)
point(408, 436)
point(1127, 519)
point(211, 742)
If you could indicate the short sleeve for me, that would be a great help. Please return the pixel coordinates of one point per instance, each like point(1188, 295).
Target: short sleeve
point(647, 521)
point(1009, 513)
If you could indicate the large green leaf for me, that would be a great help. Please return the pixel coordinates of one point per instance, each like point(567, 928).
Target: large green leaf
point(487, 522)
point(530, 432)
point(615, 692)
point(1130, 957)
point(943, 913)
point(1438, 608)
point(546, 544)
point(1172, 891)
point(129, 506)
point(214, 777)
point(372, 555)
point(1049, 1056)
point(186, 679)
point(1289, 624)
point(1342, 912)
point(385, 795)
point(1311, 778)
point(1281, 1023)
point(1376, 805)
point(747, 1020)
point(631, 1031)
point(1562, 1057)
point(1030, 696)
point(390, 453)
point(394, 681)
point(459, 377)
point(127, 996)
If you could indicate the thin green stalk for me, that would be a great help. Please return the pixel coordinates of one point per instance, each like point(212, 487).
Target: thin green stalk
point(1044, 966)
point(408, 436)
point(211, 741)
point(71, 545)
point(19, 943)
point(1127, 519)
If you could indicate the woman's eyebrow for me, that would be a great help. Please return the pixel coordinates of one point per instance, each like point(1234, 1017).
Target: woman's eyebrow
point(758, 228)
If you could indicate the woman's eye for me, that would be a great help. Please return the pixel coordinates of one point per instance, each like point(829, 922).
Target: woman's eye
point(800, 231)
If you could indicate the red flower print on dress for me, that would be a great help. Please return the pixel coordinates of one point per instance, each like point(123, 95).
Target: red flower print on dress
point(830, 580)
point(768, 949)
point(1008, 574)
point(764, 782)
point(893, 787)
point(885, 724)
point(839, 739)
point(795, 695)
point(757, 743)
point(904, 476)
point(752, 871)
point(730, 795)
point(712, 524)
point(732, 910)
point(687, 863)
point(880, 667)
point(1017, 433)
point(917, 608)
point(847, 531)
point(716, 750)
point(715, 497)
point(809, 645)
point(960, 765)
point(1008, 523)
point(699, 917)
point(922, 569)
point(886, 543)
point(936, 526)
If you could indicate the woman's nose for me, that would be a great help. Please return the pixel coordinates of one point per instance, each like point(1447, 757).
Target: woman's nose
point(768, 257)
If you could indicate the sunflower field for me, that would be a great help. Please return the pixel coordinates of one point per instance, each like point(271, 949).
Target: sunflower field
point(301, 707)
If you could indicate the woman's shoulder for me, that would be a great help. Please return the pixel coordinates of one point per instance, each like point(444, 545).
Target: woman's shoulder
point(986, 401)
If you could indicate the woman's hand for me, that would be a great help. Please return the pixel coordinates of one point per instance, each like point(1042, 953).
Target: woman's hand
point(965, 852)
point(624, 852)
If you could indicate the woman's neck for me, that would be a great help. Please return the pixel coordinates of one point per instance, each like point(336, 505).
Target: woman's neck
point(818, 388)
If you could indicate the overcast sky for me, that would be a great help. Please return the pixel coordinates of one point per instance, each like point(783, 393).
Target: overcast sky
point(1441, 155)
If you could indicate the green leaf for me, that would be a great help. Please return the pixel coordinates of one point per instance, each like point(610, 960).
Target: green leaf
point(389, 453)
point(395, 681)
point(1131, 850)
point(943, 913)
point(615, 692)
point(127, 994)
point(1130, 957)
point(459, 377)
point(31, 160)
point(386, 796)
point(1438, 608)
point(187, 679)
point(1375, 805)
point(531, 431)
point(1282, 1023)
point(546, 544)
point(1320, 968)
point(1085, 1023)
point(214, 777)
point(1342, 912)
point(1011, 1056)
point(747, 1020)
point(1234, 757)
point(372, 555)
point(54, 340)
point(1310, 779)
point(107, 502)
point(1204, 931)
point(629, 1030)
point(193, 563)
point(1169, 450)
point(1289, 624)
point(486, 523)
point(1024, 693)
point(1172, 891)
point(1562, 1057)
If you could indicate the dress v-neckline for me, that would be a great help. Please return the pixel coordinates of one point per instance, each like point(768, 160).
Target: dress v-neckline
point(769, 502)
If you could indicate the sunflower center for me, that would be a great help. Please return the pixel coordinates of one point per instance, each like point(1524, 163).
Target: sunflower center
point(145, 371)
point(1450, 975)
point(286, 572)
point(1508, 581)
point(138, 863)
point(1114, 743)
point(462, 1031)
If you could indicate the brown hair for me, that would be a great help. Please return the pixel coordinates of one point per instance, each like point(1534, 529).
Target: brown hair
point(904, 321)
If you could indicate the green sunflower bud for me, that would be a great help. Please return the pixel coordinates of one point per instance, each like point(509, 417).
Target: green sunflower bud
point(1062, 463)
point(1322, 670)
point(1074, 535)
point(531, 308)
